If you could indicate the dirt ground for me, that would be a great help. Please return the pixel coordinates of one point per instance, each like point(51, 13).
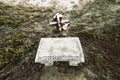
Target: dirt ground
point(97, 27)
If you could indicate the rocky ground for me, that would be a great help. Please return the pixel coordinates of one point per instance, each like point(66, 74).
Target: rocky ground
point(97, 25)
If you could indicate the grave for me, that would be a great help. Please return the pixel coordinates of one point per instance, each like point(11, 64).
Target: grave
point(59, 49)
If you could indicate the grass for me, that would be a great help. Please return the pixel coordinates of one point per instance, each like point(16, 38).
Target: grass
point(15, 15)
point(16, 24)
point(97, 26)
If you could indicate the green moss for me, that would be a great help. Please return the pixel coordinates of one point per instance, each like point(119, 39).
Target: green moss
point(19, 41)
point(15, 15)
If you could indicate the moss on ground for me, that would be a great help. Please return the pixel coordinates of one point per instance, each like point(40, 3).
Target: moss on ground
point(99, 31)
point(97, 26)
point(17, 31)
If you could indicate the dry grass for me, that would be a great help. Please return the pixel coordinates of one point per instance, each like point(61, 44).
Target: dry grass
point(97, 27)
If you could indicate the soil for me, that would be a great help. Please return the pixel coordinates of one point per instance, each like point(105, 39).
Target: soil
point(19, 42)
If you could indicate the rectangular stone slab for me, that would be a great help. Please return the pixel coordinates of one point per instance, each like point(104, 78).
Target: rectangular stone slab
point(59, 49)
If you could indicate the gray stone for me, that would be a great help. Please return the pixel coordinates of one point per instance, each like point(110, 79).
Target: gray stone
point(59, 49)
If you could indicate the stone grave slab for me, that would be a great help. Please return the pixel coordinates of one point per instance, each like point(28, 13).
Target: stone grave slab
point(60, 49)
